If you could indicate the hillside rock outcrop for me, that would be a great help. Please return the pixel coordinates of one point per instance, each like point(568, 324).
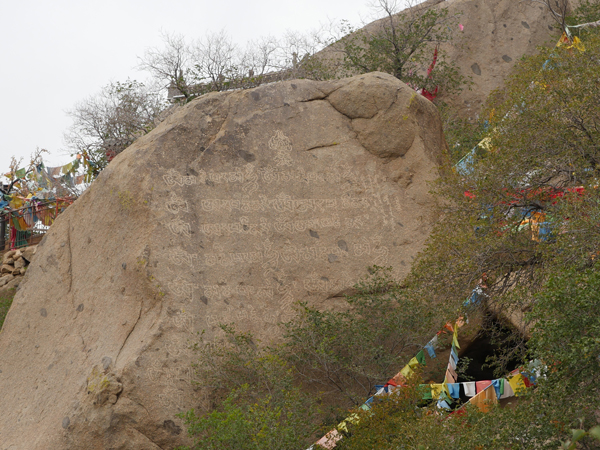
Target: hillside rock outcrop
point(495, 34)
point(231, 210)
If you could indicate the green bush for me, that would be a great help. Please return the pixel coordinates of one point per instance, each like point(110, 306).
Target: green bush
point(347, 352)
point(280, 396)
point(6, 299)
point(282, 421)
point(257, 404)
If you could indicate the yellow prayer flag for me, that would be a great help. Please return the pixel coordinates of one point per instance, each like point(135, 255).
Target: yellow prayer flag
point(486, 143)
point(437, 389)
point(455, 336)
point(67, 168)
point(578, 44)
point(414, 362)
point(564, 39)
point(406, 372)
point(342, 426)
point(16, 203)
point(517, 384)
point(575, 43)
point(353, 418)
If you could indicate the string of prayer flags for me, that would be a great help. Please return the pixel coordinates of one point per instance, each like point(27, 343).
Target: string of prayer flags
point(464, 166)
point(438, 391)
point(69, 170)
point(330, 440)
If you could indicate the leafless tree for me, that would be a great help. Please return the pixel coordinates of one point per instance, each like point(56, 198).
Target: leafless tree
point(108, 122)
point(261, 57)
point(216, 61)
point(170, 65)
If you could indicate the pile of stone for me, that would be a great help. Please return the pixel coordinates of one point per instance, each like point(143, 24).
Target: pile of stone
point(14, 263)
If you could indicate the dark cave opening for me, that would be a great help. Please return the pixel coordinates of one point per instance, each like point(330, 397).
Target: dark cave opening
point(493, 340)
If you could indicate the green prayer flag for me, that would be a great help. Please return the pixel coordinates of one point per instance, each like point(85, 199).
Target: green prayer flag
point(421, 357)
point(17, 224)
point(20, 173)
point(446, 397)
point(425, 390)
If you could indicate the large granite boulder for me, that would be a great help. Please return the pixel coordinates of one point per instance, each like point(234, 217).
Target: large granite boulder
point(234, 208)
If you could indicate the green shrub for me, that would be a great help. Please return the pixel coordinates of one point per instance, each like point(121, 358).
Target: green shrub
point(6, 299)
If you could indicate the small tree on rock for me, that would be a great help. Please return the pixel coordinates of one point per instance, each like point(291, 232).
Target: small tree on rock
point(404, 44)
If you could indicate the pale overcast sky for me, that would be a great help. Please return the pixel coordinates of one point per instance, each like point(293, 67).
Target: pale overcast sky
point(54, 54)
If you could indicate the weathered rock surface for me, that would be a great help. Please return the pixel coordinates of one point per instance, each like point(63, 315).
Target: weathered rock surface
point(231, 210)
point(6, 279)
point(495, 35)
